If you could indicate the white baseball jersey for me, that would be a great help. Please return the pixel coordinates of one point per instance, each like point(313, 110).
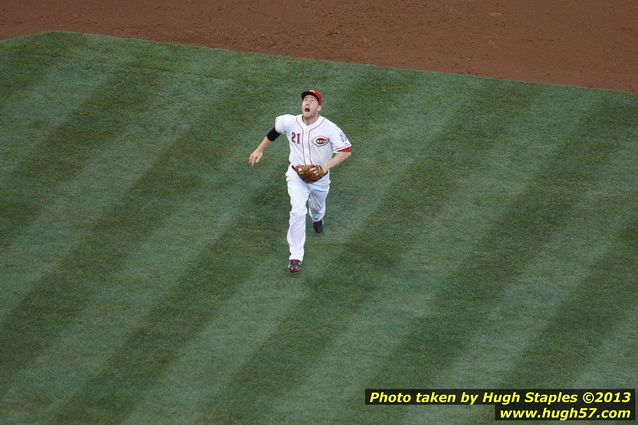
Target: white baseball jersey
point(314, 143)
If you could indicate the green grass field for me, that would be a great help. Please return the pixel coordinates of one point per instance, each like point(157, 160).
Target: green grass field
point(484, 234)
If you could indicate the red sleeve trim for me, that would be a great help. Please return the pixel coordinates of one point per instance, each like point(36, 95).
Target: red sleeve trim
point(348, 149)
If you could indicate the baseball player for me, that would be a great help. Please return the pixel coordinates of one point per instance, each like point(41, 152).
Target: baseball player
point(317, 145)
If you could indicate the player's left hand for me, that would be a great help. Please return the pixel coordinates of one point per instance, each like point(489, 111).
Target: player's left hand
point(309, 173)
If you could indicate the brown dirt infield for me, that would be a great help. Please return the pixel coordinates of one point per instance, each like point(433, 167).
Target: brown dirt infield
point(588, 43)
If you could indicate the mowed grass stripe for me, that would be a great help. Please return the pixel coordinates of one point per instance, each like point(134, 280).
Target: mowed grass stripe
point(614, 360)
point(498, 176)
point(50, 164)
point(19, 72)
point(45, 79)
point(176, 318)
point(407, 290)
point(149, 269)
point(347, 283)
point(75, 207)
point(121, 306)
point(523, 310)
point(454, 236)
point(183, 391)
point(596, 307)
point(62, 294)
point(45, 105)
point(148, 202)
point(24, 86)
point(528, 224)
point(63, 155)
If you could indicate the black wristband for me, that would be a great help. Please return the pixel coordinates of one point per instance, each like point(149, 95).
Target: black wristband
point(272, 134)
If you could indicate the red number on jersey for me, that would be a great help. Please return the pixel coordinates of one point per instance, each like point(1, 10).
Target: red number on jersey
point(296, 137)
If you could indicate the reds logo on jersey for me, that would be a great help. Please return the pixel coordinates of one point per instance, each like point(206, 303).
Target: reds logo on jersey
point(320, 141)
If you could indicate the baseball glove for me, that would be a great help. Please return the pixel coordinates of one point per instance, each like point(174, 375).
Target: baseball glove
point(309, 173)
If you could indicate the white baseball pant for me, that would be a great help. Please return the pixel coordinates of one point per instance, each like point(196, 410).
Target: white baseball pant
point(304, 198)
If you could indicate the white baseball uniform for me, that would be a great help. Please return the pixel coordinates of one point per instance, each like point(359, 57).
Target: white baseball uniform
point(309, 144)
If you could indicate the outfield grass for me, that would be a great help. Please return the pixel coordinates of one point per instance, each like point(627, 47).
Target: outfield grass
point(483, 234)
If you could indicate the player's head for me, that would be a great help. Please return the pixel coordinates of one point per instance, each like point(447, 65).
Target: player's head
point(310, 104)
point(311, 92)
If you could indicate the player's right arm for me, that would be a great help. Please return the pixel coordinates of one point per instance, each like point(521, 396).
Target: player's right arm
point(277, 130)
point(255, 157)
